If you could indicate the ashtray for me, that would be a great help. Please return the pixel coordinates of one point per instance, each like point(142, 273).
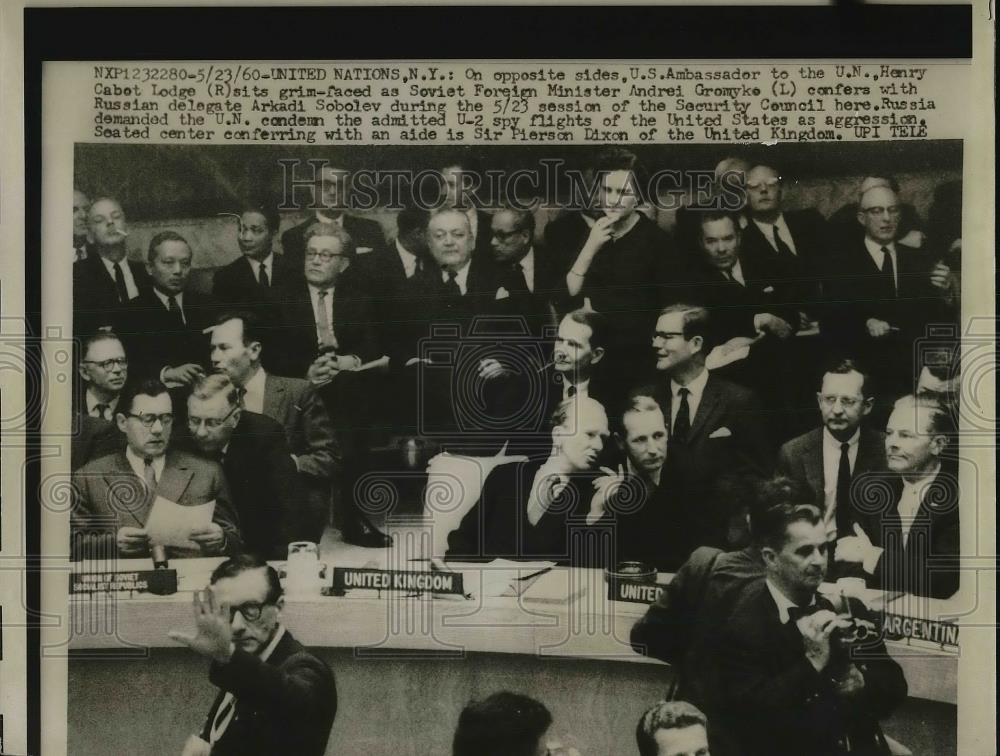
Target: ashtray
point(637, 571)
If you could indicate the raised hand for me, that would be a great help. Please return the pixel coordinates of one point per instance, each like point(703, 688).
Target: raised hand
point(213, 636)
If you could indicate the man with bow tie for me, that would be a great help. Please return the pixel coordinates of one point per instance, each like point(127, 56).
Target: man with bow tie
point(274, 695)
point(789, 680)
point(528, 510)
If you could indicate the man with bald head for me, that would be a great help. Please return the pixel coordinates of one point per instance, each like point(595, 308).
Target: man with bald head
point(105, 281)
point(883, 294)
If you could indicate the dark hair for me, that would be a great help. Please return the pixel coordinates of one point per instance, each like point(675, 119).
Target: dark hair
point(715, 214)
point(846, 365)
point(524, 219)
point(270, 212)
point(147, 387)
point(505, 724)
point(241, 563)
point(697, 322)
point(638, 399)
point(780, 502)
point(347, 244)
point(164, 236)
point(597, 323)
point(411, 219)
point(620, 159)
point(252, 328)
point(665, 715)
point(96, 338)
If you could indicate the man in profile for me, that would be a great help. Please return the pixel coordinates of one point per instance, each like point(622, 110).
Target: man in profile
point(120, 490)
point(274, 696)
point(672, 728)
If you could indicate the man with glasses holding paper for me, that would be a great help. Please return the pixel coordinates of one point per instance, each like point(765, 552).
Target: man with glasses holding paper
point(125, 503)
point(274, 696)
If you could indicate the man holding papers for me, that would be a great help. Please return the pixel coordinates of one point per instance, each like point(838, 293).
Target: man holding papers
point(118, 499)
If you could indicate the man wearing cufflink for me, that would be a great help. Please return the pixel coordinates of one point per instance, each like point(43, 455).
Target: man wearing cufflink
point(717, 440)
point(275, 697)
point(119, 490)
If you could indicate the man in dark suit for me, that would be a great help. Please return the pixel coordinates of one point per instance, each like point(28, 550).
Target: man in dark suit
point(718, 442)
point(324, 311)
point(883, 295)
point(672, 728)
point(254, 455)
point(789, 682)
point(831, 458)
point(104, 281)
point(103, 372)
point(164, 327)
point(81, 205)
point(114, 495)
point(798, 240)
point(254, 280)
point(461, 179)
point(528, 510)
point(333, 200)
point(911, 542)
point(275, 696)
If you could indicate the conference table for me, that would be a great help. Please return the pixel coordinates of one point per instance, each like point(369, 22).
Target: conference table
point(407, 661)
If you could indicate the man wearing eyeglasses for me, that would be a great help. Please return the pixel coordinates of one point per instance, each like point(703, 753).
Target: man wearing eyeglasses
point(114, 495)
point(274, 696)
point(882, 294)
point(103, 371)
point(831, 458)
point(253, 452)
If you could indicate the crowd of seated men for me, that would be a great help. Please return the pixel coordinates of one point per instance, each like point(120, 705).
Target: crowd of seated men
point(643, 381)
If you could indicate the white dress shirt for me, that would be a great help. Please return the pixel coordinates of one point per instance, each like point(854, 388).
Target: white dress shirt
point(473, 217)
point(527, 264)
point(179, 298)
point(784, 603)
point(831, 467)
point(878, 256)
point(582, 389)
point(328, 305)
point(227, 707)
point(909, 501)
point(130, 285)
point(695, 389)
point(138, 464)
point(268, 262)
point(786, 235)
point(408, 259)
point(92, 402)
point(253, 399)
point(736, 273)
point(461, 277)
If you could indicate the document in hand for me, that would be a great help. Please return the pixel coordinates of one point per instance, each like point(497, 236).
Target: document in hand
point(170, 524)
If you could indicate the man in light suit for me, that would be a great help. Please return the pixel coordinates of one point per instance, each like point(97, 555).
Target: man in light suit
point(104, 280)
point(333, 201)
point(831, 458)
point(717, 439)
point(274, 696)
point(906, 536)
point(294, 404)
point(113, 495)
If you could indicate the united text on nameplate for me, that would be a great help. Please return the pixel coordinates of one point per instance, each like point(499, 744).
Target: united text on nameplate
point(140, 581)
point(355, 578)
point(634, 591)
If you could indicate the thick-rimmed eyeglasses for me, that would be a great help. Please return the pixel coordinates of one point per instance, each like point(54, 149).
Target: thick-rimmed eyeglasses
point(148, 419)
point(114, 362)
point(323, 256)
point(251, 611)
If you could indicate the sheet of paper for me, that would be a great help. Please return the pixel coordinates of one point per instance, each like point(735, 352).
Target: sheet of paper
point(170, 524)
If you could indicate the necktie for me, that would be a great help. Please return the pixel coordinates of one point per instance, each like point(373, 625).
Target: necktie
point(223, 716)
point(120, 286)
point(783, 249)
point(323, 327)
point(570, 392)
point(518, 283)
point(175, 311)
point(843, 510)
point(682, 423)
point(103, 411)
point(451, 285)
point(888, 271)
point(240, 393)
point(149, 474)
point(262, 279)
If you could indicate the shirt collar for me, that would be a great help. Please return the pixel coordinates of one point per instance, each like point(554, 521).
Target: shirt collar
point(404, 253)
point(179, 298)
point(92, 401)
point(461, 276)
point(782, 601)
point(314, 290)
point(527, 262)
point(138, 464)
point(768, 228)
point(695, 388)
point(268, 261)
point(338, 221)
point(255, 385)
point(269, 648)
point(875, 249)
point(921, 485)
point(654, 480)
point(833, 443)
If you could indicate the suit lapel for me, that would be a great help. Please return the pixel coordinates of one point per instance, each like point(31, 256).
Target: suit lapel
point(128, 491)
point(175, 481)
point(274, 391)
point(706, 407)
point(814, 464)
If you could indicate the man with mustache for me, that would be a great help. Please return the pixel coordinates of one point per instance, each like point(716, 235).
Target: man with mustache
point(105, 281)
point(526, 509)
point(789, 683)
point(164, 327)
